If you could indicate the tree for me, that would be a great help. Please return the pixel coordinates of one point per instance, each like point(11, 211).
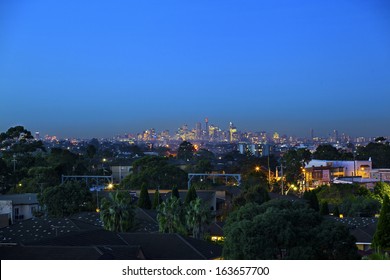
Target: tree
point(175, 192)
point(256, 194)
point(311, 198)
point(155, 172)
point(197, 217)
point(280, 229)
point(156, 199)
point(379, 153)
point(381, 189)
point(326, 152)
point(324, 210)
point(117, 213)
point(381, 240)
point(186, 151)
point(144, 199)
point(66, 199)
point(191, 195)
point(336, 211)
point(294, 161)
point(169, 216)
point(91, 151)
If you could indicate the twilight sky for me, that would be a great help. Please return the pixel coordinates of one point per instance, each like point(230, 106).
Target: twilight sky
point(98, 68)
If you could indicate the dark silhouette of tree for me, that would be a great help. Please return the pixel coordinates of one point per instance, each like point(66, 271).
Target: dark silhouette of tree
point(378, 152)
point(66, 199)
point(280, 229)
point(198, 216)
point(326, 152)
point(144, 199)
point(256, 194)
point(156, 172)
point(191, 195)
point(169, 216)
point(381, 240)
point(91, 151)
point(324, 210)
point(157, 200)
point(293, 162)
point(175, 192)
point(312, 200)
point(117, 213)
point(336, 211)
point(186, 151)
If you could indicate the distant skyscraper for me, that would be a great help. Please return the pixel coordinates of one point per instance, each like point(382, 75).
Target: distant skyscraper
point(311, 134)
point(207, 129)
point(233, 133)
point(336, 135)
point(198, 131)
point(37, 137)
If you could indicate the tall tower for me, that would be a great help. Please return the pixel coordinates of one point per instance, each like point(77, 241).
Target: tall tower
point(311, 134)
point(198, 130)
point(336, 135)
point(207, 129)
point(232, 133)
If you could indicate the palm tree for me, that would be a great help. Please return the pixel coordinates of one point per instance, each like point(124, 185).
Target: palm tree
point(117, 213)
point(197, 217)
point(169, 216)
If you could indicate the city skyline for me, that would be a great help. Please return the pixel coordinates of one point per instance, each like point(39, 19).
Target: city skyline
point(76, 70)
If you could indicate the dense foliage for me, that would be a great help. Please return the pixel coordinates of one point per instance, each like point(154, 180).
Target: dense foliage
point(155, 172)
point(280, 229)
point(381, 239)
point(117, 212)
point(66, 199)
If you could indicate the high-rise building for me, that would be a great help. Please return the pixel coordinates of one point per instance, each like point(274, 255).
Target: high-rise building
point(207, 130)
point(37, 137)
point(233, 135)
point(198, 131)
point(336, 135)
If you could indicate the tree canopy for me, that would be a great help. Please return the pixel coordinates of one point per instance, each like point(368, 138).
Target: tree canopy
point(66, 199)
point(381, 238)
point(155, 172)
point(144, 199)
point(280, 229)
point(186, 151)
point(117, 213)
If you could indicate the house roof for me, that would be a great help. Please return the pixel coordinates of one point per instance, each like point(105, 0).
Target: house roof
point(362, 228)
point(48, 253)
point(157, 246)
point(99, 237)
point(41, 228)
point(71, 253)
point(20, 199)
point(162, 246)
point(146, 220)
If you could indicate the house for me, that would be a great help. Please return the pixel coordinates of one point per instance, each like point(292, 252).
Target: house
point(23, 206)
point(81, 237)
point(323, 172)
point(362, 228)
point(381, 174)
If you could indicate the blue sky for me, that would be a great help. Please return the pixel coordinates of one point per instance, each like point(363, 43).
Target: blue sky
point(100, 68)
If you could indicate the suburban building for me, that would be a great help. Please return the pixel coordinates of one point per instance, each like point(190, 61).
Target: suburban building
point(19, 206)
point(381, 174)
point(320, 172)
